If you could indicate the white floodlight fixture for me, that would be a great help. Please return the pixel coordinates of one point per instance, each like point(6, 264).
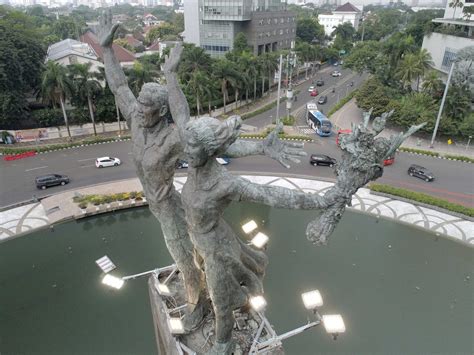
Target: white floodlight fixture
point(258, 303)
point(163, 289)
point(105, 264)
point(176, 325)
point(249, 227)
point(312, 299)
point(113, 281)
point(260, 240)
point(334, 324)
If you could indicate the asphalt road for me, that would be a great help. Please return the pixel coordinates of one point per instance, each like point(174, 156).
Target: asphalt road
point(454, 180)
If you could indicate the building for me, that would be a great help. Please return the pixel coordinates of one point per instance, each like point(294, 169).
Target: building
point(70, 51)
point(267, 24)
point(344, 13)
point(453, 34)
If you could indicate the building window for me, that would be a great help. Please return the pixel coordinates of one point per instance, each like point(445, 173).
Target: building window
point(281, 32)
point(449, 57)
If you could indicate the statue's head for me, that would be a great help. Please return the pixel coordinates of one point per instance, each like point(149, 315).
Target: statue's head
point(208, 137)
point(153, 101)
point(378, 124)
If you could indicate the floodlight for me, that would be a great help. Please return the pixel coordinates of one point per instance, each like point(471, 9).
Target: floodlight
point(334, 324)
point(312, 299)
point(249, 227)
point(176, 325)
point(163, 289)
point(105, 264)
point(260, 240)
point(258, 303)
point(113, 281)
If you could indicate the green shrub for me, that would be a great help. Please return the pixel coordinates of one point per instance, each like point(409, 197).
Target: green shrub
point(459, 157)
point(418, 151)
point(288, 120)
point(423, 198)
point(133, 194)
point(97, 200)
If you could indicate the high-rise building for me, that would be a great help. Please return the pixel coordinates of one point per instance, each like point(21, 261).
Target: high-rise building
point(213, 25)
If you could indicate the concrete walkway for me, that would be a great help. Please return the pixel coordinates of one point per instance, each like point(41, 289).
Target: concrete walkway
point(350, 113)
point(60, 207)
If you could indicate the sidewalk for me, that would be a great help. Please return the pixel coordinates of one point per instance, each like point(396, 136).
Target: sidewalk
point(350, 113)
point(60, 207)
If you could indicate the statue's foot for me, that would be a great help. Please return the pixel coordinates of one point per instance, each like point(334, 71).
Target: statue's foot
point(222, 348)
point(191, 321)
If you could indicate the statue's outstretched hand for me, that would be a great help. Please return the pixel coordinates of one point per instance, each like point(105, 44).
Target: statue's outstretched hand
point(281, 151)
point(107, 29)
point(172, 60)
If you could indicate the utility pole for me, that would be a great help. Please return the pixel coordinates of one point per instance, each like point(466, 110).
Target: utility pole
point(279, 86)
point(289, 91)
point(442, 105)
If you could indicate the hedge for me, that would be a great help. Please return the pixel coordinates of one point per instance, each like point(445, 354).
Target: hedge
point(423, 198)
point(418, 151)
point(51, 147)
point(85, 200)
point(342, 102)
point(459, 157)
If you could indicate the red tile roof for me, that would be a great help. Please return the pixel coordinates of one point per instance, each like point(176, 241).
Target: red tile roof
point(347, 7)
point(121, 53)
point(154, 47)
point(132, 41)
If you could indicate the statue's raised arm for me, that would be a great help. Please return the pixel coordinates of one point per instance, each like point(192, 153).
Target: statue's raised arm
point(113, 71)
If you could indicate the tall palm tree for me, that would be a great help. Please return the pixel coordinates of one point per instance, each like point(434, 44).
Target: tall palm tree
point(408, 70)
point(140, 74)
point(432, 84)
point(200, 86)
point(227, 75)
point(193, 58)
point(424, 63)
point(269, 65)
point(56, 87)
point(86, 86)
point(454, 4)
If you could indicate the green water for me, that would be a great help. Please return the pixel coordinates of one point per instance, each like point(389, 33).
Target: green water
point(399, 289)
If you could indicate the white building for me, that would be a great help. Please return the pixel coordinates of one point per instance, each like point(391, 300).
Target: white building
point(70, 51)
point(443, 47)
point(344, 13)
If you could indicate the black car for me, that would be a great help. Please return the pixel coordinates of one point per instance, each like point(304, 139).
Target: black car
point(322, 100)
point(320, 83)
point(420, 172)
point(44, 181)
point(319, 159)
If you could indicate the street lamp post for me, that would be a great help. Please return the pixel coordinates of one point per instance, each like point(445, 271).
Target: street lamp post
point(468, 141)
point(442, 105)
point(279, 87)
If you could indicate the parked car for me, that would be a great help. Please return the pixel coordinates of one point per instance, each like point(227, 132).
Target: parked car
point(107, 161)
point(420, 172)
point(314, 93)
point(311, 88)
point(320, 83)
point(336, 73)
point(322, 100)
point(44, 181)
point(389, 161)
point(320, 159)
point(183, 164)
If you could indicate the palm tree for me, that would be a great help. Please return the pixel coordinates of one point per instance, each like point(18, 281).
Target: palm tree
point(455, 4)
point(140, 74)
point(432, 84)
point(86, 85)
point(269, 65)
point(200, 86)
point(424, 63)
point(193, 59)
point(408, 70)
point(225, 72)
point(56, 87)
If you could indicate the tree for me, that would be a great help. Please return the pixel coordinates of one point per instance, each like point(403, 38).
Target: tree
point(268, 65)
point(68, 27)
point(467, 126)
point(345, 32)
point(193, 59)
point(140, 74)
point(467, 12)
point(414, 108)
point(240, 43)
point(408, 70)
point(365, 56)
point(86, 86)
point(374, 94)
point(432, 84)
point(454, 4)
point(160, 31)
point(200, 87)
point(308, 29)
point(424, 63)
point(21, 58)
point(56, 87)
point(226, 73)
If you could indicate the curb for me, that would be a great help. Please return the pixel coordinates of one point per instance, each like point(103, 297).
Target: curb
point(282, 139)
point(434, 156)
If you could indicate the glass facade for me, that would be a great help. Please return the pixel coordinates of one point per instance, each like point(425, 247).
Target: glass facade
point(448, 58)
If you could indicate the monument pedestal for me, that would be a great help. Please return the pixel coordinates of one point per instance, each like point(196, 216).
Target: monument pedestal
point(250, 329)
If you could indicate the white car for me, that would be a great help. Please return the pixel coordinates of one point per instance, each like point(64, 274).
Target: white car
point(107, 161)
point(336, 73)
point(311, 89)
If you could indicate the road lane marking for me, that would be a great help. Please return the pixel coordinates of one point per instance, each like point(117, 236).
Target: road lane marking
point(40, 167)
point(87, 159)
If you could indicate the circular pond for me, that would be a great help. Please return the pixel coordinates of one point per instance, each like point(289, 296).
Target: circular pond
point(399, 289)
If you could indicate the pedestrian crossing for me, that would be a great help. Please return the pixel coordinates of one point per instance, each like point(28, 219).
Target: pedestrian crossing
point(305, 129)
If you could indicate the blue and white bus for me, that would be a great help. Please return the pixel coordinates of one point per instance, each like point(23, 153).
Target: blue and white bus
point(317, 121)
